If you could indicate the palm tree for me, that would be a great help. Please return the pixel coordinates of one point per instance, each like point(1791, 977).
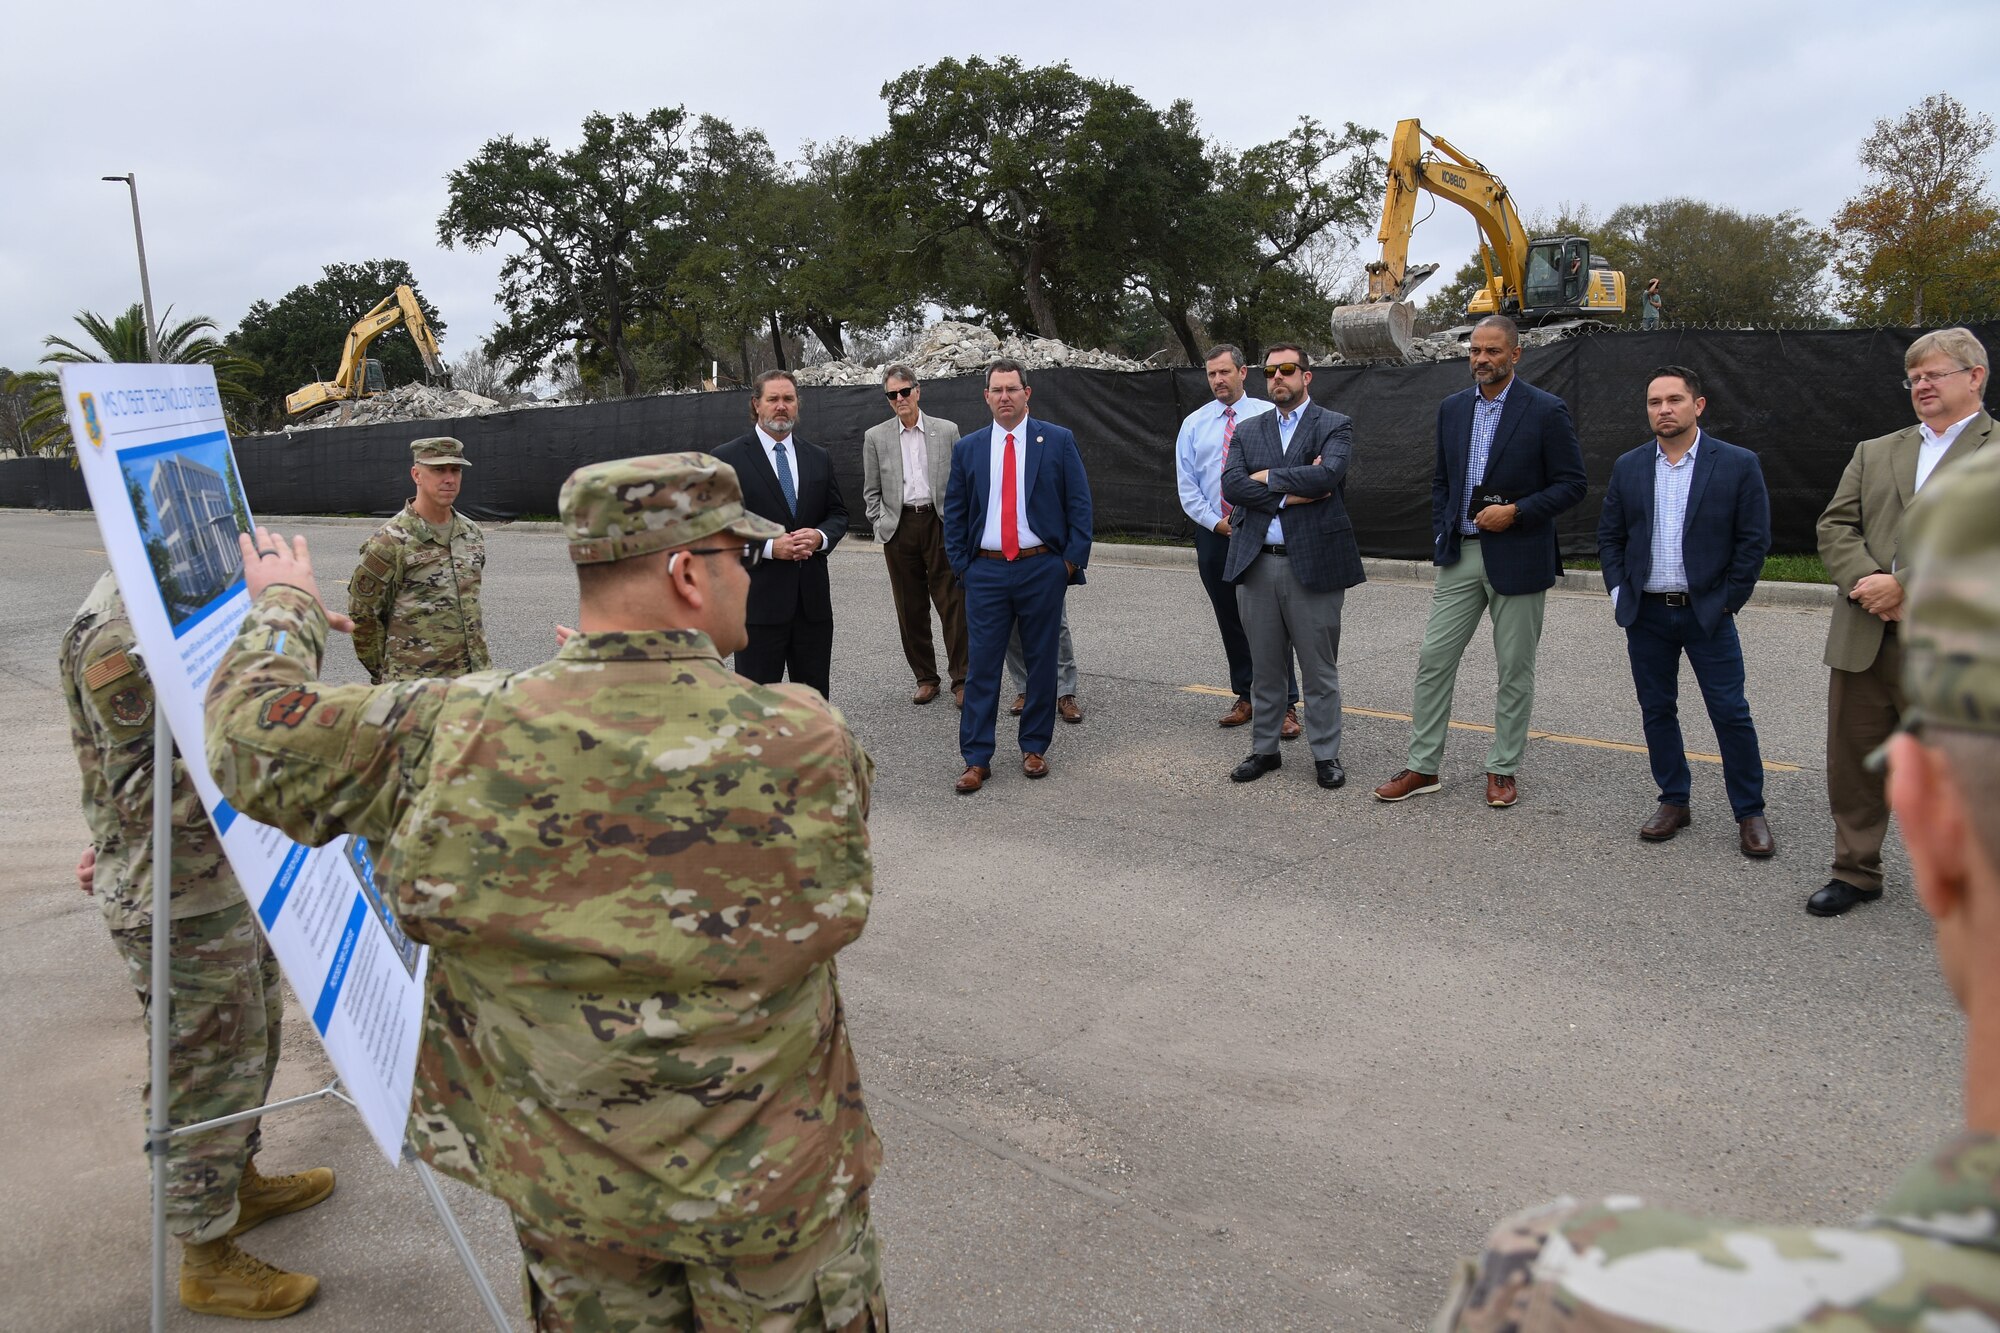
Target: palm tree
point(190, 342)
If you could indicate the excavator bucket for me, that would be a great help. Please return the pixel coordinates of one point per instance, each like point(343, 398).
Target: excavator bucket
point(1377, 331)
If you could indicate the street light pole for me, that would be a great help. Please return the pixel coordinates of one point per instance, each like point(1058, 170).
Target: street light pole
point(131, 180)
point(158, 1124)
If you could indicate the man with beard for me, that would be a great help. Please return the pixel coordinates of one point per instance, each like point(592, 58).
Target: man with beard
point(1508, 464)
point(791, 483)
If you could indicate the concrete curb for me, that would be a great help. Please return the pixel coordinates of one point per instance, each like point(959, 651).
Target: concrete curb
point(1769, 593)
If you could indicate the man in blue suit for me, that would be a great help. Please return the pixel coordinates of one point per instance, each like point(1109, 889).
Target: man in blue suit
point(1686, 527)
point(1017, 534)
point(1507, 465)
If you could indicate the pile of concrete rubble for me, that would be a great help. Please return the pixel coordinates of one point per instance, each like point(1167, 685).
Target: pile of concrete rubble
point(1450, 345)
point(952, 348)
point(408, 402)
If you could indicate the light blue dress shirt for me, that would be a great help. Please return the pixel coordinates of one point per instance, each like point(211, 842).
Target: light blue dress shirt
point(1198, 457)
point(1485, 423)
point(1670, 509)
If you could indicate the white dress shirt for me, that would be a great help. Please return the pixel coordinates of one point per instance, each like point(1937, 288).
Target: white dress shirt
point(916, 465)
point(1198, 457)
point(770, 443)
point(1932, 451)
point(996, 457)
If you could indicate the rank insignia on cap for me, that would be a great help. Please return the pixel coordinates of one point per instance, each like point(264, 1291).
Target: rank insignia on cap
point(130, 707)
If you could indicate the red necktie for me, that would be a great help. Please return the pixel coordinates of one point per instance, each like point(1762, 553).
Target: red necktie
point(1228, 434)
point(1010, 525)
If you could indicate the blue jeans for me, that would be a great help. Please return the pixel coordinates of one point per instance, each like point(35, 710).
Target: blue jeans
point(1654, 643)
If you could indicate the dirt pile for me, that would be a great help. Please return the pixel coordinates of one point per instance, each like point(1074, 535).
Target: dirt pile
point(953, 348)
point(408, 402)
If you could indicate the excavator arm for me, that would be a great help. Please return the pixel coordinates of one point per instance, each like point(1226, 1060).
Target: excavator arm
point(348, 382)
point(1381, 326)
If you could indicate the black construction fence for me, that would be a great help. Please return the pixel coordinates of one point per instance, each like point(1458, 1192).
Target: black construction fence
point(1800, 399)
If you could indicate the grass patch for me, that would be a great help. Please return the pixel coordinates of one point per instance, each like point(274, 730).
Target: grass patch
point(1777, 568)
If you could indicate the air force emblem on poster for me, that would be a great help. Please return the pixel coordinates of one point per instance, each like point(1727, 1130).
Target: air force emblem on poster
point(87, 405)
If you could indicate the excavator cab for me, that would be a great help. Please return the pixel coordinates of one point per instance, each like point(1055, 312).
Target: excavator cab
point(1558, 274)
point(373, 381)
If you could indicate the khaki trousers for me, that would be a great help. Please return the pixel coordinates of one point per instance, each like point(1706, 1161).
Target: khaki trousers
point(1862, 709)
point(920, 577)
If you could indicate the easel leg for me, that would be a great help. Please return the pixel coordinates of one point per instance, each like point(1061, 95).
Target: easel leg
point(494, 1310)
point(163, 870)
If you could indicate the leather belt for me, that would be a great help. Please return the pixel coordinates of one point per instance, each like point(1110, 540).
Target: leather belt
point(1273, 550)
point(1026, 551)
point(916, 509)
point(1670, 598)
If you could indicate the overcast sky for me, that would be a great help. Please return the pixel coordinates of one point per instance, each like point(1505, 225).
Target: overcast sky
point(270, 140)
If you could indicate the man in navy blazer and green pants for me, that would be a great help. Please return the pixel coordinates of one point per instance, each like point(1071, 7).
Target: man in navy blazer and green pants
point(1683, 536)
point(1508, 464)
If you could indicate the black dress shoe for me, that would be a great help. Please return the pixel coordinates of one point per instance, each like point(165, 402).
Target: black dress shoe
point(1837, 897)
point(1329, 773)
point(1256, 766)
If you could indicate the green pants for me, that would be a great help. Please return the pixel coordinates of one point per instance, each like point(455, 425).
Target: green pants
point(1462, 593)
point(834, 1285)
point(225, 1012)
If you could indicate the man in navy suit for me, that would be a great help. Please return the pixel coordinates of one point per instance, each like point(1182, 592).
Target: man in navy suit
point(1686, 527)
point(1507, 465)
point(1017, 534)
point(790, 482)
point(1292, 557)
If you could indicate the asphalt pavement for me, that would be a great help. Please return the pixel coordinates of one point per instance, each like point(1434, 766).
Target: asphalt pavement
point(1147, 1050)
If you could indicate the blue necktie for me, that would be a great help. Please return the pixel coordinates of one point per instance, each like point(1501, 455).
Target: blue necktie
point(785, 479)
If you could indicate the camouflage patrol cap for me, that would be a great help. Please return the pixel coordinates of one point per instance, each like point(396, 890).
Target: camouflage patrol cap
point(635, 506)
point(438, 451)
point(1951, 627)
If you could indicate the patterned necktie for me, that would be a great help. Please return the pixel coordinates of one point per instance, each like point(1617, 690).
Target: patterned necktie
point(785, 480)
point(1010, 525)
point(1228, 434)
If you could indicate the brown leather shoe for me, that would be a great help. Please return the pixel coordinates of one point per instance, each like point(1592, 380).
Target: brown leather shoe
point(1020, 705)
point(1405, 785)
point(1034, 766)
point(1068, 709)
point(1666, 821)
point(1501, 790)
point(972, 779)
point(1236, 716)
point(926, 692)
point(958, 695)
point(1755, 835)
point(1289, 729)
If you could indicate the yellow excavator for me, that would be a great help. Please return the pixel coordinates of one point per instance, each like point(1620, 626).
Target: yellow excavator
point(1533, 281)
point(360, 376)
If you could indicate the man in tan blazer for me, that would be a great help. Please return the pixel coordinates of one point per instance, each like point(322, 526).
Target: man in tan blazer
point(1858, 540)
point(905, 463)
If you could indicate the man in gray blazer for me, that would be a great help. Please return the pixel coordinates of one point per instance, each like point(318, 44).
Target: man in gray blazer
point(1292, 557)
point(905, 463)
point(1859, 542)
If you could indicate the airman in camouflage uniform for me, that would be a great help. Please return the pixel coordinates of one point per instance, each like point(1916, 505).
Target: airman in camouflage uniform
point(1928, 1259)
point(634, 869)
point(415, 595)
point(225, 1006)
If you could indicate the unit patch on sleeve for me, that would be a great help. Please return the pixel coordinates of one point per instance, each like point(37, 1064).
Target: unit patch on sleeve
point(288, 709)
point(130, 707)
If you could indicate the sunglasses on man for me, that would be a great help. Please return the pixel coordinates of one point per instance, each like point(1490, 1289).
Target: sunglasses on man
point(1282, 368)
point(894, 394)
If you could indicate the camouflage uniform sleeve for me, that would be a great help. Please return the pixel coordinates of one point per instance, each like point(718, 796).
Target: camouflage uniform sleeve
point(1498, 1291)
point(313, 760)
point(111, 721)
point(370, 594)
point(828, 776)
